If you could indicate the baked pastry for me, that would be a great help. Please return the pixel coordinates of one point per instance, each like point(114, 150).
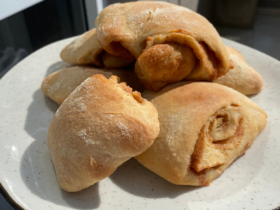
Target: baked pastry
point(98, 127)
point(113, 62)
point(204, 127)
point(241, 77)
point(85, 49)
point(58, 85)
point(170, 42)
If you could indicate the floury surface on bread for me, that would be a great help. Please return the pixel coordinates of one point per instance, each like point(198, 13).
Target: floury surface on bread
point(147, 30)
point(204, 127)
point(59, 85)
point(102, 124)
point(241, 77)
point(85, 49)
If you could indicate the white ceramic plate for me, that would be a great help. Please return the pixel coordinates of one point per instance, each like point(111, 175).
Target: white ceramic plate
point(27, 174)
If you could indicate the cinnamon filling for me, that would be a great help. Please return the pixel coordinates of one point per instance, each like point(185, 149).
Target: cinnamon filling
point(220, 134)
point(135, 94)
point(117, 49)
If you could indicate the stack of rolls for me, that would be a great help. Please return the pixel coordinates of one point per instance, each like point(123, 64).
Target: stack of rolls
point(191, 121)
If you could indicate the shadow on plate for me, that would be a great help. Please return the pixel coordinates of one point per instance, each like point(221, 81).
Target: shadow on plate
point(39, 176)
point(36, 167)
point(136, 179)
point(56, 67)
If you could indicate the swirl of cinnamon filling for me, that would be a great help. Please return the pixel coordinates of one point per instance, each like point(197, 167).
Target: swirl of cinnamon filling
point(218, 138)
point(173, 57)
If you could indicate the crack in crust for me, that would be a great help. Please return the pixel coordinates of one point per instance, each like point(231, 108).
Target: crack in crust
point(135, 94)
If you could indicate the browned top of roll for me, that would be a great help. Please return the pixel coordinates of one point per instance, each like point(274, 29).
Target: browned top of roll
point(85, 49)
point(60, 84)
point(125, 27)
point(99, 126)
point(204, 127)
point(241, 77)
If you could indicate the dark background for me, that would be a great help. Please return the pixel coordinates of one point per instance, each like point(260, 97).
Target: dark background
point(251, 22)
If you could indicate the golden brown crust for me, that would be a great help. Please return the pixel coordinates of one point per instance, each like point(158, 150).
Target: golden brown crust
point(241, 77)
point(112, 62)
point(207, 65)
point(126, 28)
point(59, 85)
point(204, 127)
point(98, 127)
point(233, 51)
point(163, 64)
point(85, 49)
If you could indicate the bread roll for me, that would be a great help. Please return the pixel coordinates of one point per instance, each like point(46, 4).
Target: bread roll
point(149, 31)
point(58, 85)
point(98, 127)
point(204, 127)
point(241, 77)
point(85, 49)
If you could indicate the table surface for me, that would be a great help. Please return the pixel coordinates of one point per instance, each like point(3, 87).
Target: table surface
point(264, 37)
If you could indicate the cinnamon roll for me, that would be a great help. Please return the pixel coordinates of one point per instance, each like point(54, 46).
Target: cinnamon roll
point(204, 127)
